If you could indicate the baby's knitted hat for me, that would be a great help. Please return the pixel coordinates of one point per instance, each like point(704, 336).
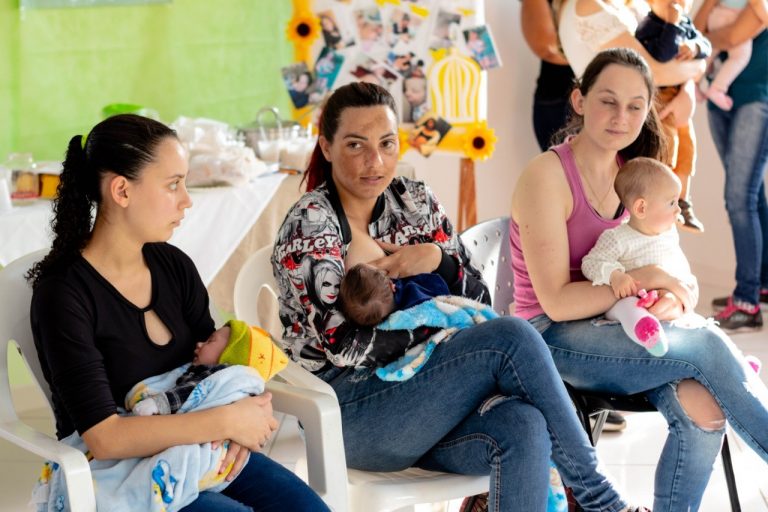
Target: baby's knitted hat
point(253, 346)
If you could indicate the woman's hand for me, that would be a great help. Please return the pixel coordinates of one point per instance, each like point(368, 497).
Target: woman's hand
point(254, 422)
point(236, 455)
point(668, 307)
point(408, 260)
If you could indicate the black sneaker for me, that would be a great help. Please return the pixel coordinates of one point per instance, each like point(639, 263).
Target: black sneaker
point(687, 219)
point(737, 319)
point(721, 303)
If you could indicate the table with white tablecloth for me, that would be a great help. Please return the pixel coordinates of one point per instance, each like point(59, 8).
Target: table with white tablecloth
point(219, 220)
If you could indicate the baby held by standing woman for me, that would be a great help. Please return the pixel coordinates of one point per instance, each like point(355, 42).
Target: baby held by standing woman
point(667, 33)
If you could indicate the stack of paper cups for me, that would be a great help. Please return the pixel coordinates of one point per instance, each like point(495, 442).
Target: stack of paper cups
point(5, 196)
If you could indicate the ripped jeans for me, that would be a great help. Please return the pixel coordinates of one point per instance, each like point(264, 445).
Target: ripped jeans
point(442, 419)
point(602, 358)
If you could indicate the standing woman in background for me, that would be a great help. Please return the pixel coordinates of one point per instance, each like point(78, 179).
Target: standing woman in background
point(741, 139)
point(555, 81)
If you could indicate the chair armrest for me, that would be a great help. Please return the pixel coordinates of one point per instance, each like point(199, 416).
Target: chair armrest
point(73, 462)
point(320, 416)
point(297, 376)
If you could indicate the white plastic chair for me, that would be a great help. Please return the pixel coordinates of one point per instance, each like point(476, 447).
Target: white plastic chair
point(15, 297)
point(488, 244)
point(316, 410)
point(362, 490)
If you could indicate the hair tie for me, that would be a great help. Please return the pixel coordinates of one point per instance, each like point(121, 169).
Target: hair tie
point(84, 139)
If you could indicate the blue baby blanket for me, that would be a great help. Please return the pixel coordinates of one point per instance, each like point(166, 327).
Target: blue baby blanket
point(169, 480)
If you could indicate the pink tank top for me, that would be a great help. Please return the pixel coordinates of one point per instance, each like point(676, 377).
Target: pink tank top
point(584, 227)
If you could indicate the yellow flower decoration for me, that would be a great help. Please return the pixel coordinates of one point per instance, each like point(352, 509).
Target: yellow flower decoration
point(303, 28)
point(382, 2)
point(479, 141)
point(402, 137)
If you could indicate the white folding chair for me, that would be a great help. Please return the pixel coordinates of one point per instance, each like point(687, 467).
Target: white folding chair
point(15, 297)
point(362, 490)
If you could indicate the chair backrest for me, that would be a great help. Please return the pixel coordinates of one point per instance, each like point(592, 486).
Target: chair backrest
point(15, 299)
point(488, 244)
point(255, 302)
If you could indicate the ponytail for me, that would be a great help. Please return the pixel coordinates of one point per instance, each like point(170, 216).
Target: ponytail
point(317, 170)
point(71, 224)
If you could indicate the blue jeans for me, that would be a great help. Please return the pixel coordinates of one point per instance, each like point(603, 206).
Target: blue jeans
point(488, 401)
point(741, 139)
point(602, 358)
point(262, 485)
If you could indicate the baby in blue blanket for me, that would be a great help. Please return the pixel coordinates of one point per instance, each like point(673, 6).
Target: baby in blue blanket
point(368, 295)
point(234, 343)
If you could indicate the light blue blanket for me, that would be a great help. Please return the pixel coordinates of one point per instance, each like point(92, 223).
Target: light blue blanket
point(165, 482)
point(447, 312)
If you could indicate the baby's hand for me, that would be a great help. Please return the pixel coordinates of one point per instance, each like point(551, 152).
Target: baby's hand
point(623, 285)
point(145, 408)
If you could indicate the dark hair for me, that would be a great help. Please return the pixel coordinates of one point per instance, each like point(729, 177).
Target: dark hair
point(637, 177)
point(651, 142)
point(123, 144)
point(355, 94)
point(366, 295)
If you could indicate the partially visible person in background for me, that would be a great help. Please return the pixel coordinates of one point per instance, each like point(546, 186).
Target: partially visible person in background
point(741, 138)
point(721, 14)
point(668, 33)
point(550, 100)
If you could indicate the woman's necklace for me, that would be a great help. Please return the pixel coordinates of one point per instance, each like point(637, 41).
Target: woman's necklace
point(595, 195)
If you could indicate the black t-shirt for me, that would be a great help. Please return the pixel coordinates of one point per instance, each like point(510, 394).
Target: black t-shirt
point(93, 343)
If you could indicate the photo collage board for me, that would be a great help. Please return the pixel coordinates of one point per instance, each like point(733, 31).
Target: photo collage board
point(391, 43)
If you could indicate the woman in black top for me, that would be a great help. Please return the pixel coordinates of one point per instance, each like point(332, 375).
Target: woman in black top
point(114, 304)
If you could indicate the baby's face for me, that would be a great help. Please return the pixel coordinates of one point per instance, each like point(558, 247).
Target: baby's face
point(210, 350)
point(671, 11)
point(415, 91)
point(662, 208)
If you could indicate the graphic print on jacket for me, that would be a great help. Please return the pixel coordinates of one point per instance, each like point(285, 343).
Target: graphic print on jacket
point(308, 262)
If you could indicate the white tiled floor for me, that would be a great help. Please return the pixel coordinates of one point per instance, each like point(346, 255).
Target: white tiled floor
point(629, 456)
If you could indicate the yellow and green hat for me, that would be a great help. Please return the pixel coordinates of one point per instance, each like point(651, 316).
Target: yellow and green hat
point(253, 346)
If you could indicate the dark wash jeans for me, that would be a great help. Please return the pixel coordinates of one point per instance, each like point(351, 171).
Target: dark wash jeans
point(442, 419)
point(263, 485)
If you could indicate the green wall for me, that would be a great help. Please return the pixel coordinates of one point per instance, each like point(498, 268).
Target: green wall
point(59, 67)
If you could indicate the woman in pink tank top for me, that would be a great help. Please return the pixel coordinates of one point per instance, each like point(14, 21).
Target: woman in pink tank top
point(562, 203)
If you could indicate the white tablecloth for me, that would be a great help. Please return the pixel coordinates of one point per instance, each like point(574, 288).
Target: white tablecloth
point(210, 232)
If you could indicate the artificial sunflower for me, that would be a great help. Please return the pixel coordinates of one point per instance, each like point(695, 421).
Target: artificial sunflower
point(479, 141)
point(303, 28)
point(402, 136)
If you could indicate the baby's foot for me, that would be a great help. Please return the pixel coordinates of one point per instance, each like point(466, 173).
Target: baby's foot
point(650, 334)
point(719, 98)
